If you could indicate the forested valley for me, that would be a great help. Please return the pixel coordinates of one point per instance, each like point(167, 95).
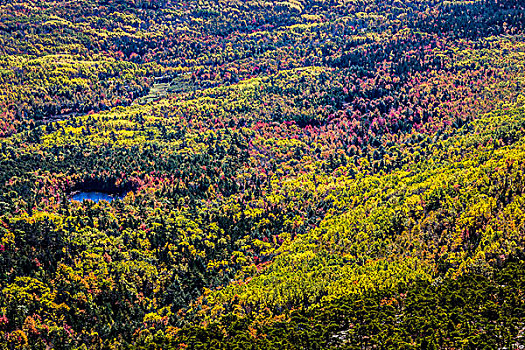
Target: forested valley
point(301, 174)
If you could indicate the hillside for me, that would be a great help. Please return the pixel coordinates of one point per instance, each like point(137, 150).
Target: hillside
point(283, 175)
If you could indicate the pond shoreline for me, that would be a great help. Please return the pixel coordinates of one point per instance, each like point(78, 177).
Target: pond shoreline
point(95, 196)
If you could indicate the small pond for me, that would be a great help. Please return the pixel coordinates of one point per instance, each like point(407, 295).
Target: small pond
point(96, 196)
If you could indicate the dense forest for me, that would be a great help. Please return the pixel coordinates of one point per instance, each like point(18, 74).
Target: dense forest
point(301, 174)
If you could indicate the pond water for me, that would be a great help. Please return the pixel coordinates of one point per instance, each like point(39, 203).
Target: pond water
point(96, 196)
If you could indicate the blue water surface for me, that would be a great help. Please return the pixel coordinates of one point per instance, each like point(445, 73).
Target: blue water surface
point(95, 196)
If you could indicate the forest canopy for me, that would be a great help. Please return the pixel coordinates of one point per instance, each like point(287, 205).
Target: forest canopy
point(276, 175)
